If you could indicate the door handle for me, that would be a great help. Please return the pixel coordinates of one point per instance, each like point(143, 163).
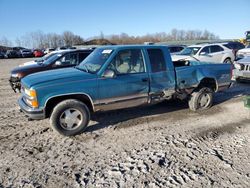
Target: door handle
point(145, 79)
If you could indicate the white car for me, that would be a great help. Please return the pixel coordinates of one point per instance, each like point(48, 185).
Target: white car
point(242, 69)
point(245, 52)
point(217, 53)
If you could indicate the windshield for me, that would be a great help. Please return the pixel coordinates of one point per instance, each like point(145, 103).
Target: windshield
point(52, 58)
point(95, 60)
point(44, 58)
point(189, 51)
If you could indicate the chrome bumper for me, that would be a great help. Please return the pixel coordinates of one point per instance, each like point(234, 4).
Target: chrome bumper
point(32, 113)
point(241, 74)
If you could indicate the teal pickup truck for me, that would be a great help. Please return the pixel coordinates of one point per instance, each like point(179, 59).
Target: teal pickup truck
point(116, 77)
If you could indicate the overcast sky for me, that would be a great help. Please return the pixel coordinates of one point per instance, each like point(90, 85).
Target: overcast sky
point(87, 18)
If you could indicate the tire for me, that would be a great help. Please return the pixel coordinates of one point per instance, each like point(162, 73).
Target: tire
point(227, 61)
point(201, 100)
point(70, 117)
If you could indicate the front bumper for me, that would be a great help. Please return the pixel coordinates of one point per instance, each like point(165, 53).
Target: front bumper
point(15, 84)
point(32, 113)
point(241, 75)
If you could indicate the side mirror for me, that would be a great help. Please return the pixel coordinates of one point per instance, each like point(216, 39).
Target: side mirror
point(58, 63)
point(203, 53)
point(108, 74)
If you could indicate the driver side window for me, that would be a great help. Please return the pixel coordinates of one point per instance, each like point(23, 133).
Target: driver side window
point(127, 62)
point(206, 50)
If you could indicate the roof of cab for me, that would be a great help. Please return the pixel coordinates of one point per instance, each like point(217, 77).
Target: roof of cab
point(131, 46)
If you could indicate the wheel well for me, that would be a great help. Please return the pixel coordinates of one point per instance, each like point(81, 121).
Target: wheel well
point(55, 100)
point(208, 82)
point(228, 59)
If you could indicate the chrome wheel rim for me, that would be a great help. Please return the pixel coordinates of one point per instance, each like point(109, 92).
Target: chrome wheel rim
point(71, 119)
point(204, 100)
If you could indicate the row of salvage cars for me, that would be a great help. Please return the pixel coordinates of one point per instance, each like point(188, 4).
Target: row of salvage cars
point(223, 52)
point(19, 52)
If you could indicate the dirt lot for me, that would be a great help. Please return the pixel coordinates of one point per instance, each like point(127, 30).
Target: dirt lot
point(164, 145)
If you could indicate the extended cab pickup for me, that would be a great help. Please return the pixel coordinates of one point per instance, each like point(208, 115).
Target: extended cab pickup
point(115, 77)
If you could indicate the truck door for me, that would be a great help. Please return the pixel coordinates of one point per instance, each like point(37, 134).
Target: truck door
point(130, 84)
point(162, 78)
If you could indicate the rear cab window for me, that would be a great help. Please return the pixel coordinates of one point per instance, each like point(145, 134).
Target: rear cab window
point(157, 60)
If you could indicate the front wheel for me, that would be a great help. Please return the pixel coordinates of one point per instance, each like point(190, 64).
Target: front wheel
point(201, 100)
point(70, 117)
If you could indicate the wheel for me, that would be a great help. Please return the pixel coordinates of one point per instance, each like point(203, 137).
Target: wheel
point(228, 61)
point(70, 117)
point(202, 99)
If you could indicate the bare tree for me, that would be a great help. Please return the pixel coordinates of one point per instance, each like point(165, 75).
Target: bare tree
point(38, 39)
point(5, 42)
point(68, 38)
point(18, 42)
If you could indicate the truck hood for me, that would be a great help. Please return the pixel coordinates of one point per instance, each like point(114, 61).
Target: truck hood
point(181, 57)
point(54, 77)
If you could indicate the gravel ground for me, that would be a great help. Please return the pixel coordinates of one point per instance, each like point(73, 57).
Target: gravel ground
point(165, 145)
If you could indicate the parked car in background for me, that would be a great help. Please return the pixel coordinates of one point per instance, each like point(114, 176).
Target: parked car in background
point(38, 53)
point(48, 50)
point(175, 48)
point(61, 48)
point(242, 69)
point(26, 53)
point(235, 46)
point(13, 54)
point(63, 59)
point(2, 55)
point(243, 52)
point(65, 48)
point(118, 77)
point(42, 59)
point(217, 53)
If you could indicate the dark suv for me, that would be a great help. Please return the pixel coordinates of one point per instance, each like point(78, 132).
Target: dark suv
point(62, 59)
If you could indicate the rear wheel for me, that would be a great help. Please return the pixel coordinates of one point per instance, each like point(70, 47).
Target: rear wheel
point(227, 61)
point(70, 117)
point(201, 100)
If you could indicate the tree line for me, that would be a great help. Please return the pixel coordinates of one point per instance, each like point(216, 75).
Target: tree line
point(39, 39)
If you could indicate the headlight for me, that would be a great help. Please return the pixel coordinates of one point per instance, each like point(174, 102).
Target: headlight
point(238, 66)
point(15, 75)
point(30, 93)
point(31, 97)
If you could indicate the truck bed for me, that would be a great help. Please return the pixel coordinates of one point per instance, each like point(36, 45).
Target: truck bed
point(190, 73)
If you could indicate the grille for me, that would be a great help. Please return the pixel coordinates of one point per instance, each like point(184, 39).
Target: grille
point(246, 67)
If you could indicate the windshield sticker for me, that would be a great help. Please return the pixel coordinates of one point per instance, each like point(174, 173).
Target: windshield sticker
point(106, 51)
point(59, 55)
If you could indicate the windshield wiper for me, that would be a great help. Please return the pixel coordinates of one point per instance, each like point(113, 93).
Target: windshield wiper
point(84, 66)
